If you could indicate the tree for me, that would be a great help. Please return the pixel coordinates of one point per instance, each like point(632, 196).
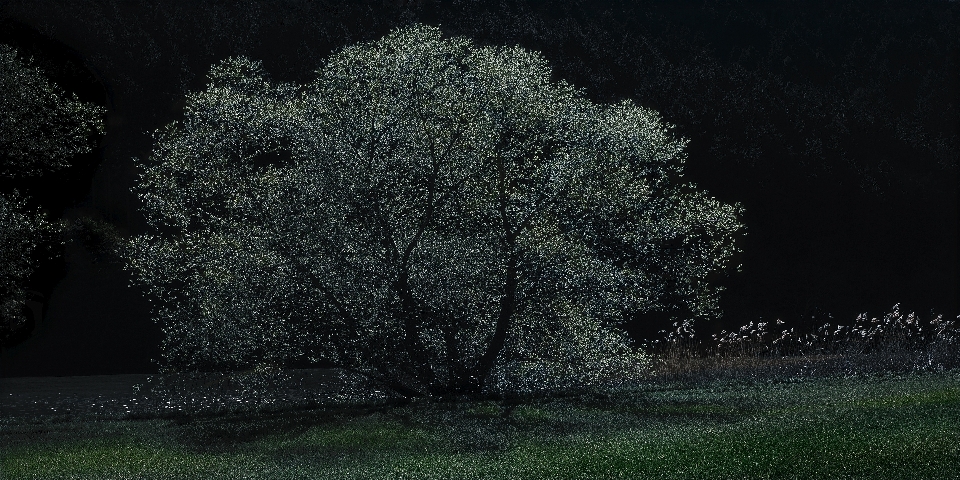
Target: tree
point(20, 234)
point(41, 128)
point(440, 217)
point(40, 131)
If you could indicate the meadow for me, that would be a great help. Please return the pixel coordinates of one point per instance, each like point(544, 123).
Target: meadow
point(877, 399)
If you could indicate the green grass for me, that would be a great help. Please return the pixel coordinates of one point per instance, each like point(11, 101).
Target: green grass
point(897, 426)
point(731, 410)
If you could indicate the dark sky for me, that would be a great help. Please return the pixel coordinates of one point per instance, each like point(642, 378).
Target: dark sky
point(835, 126)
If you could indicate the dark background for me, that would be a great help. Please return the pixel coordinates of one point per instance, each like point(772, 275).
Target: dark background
point(835, 124)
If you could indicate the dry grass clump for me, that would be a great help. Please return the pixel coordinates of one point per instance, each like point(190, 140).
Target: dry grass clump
point(894, 344)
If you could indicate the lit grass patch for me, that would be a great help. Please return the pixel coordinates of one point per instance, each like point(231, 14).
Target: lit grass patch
point(947, 396)
point(485, 409)
point(532, 414)
point(813, 442)
point(351, 439)
point(905, 427)
point(111, 458)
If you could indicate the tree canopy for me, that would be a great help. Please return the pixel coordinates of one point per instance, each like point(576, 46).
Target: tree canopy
point(41, 129)
point(41, 126)
point(20, 233)
point(441, 217)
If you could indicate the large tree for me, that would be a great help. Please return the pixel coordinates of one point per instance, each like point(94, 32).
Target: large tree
point(41, 129)
point(440, 217)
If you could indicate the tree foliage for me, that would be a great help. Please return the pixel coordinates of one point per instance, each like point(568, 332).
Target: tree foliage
point(440, 217)
point(20, 234)
point(41, 129)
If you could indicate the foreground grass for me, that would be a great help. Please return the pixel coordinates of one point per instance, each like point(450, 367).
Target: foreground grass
point(896, 426)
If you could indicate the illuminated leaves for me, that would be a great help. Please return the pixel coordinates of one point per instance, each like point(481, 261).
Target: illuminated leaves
point(41, 128)
point(20, 233)
point(447, 213)
point(40, 131)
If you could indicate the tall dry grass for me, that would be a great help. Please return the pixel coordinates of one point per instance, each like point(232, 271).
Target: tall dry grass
point(869, 346)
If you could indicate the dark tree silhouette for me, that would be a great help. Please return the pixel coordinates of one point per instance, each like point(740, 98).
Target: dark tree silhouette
point(41, 129)
point(442, 218)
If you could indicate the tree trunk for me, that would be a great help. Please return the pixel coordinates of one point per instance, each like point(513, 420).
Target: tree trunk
point(419, 363)
point(508, 305)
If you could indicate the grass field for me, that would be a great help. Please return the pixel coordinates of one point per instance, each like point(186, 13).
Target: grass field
point(736, 416)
